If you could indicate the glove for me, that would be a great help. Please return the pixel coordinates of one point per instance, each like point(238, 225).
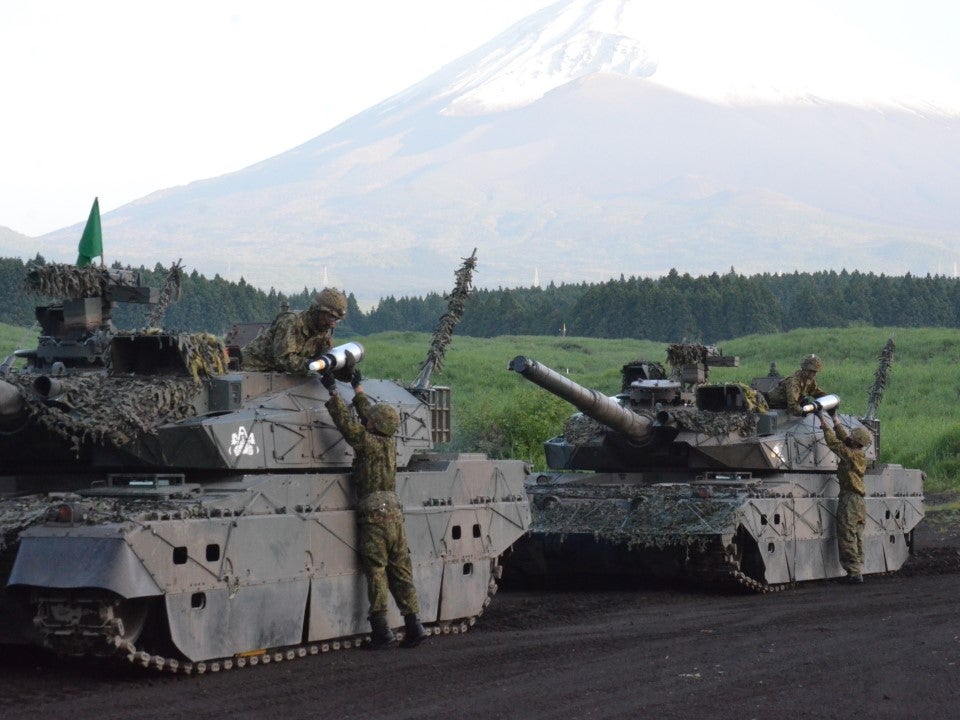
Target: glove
point(806, 400)
point(329, 382)
point(356, 378)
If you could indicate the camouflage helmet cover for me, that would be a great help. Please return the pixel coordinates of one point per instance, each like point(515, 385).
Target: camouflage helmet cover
point(812, 362)
point(383, 419)
point(332, 301)
point(861, 436)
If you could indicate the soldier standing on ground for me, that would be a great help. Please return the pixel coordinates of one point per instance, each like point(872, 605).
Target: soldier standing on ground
point(384, 553)
point(296, 339)
point(851, 506)
point(791, 391)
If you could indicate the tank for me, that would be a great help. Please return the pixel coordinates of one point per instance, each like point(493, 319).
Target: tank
point(163, 509)
point(676, 477)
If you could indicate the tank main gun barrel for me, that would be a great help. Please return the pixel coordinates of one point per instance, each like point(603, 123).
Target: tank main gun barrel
point(591, 403)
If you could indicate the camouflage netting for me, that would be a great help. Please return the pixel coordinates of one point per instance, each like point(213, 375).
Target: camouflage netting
point(113, 409)
point(169, 294)
point(109, 409)
point(724, 423)
point(203, 354)
point(680, 354)
point(66, 281)
point(580, 429)
point(636, 516)
point(17, 514)
point(716, 423)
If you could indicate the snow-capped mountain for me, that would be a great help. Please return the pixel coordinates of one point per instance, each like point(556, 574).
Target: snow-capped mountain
point(739, 52)
point(586, 142)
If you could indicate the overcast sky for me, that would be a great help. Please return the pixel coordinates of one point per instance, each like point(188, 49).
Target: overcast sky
point(119, 98)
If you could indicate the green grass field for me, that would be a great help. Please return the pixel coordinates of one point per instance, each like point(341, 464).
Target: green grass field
point(501, 413)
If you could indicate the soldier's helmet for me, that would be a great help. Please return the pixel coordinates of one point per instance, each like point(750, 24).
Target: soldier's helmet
point(383, 419)
point(812, 362)
point(328, 303)
point(861, 436)
point(332, 301)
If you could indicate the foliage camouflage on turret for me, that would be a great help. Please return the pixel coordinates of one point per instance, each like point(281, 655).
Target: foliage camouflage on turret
point(65, 281)
point(109, 409)
point(716, 424)
point(114, 409)
point(680, 354)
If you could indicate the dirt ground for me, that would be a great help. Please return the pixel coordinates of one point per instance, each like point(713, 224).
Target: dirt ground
point(887, 649)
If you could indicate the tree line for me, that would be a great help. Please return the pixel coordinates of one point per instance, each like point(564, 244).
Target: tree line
point(674, 307)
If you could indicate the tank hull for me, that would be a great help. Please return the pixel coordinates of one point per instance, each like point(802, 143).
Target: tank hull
point(759, 532)
point(256, 563)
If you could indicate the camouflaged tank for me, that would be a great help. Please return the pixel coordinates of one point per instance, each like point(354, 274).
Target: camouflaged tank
point(680, 478)
point(162, 508)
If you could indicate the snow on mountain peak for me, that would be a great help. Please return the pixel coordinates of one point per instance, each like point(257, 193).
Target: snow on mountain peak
point(747, 51)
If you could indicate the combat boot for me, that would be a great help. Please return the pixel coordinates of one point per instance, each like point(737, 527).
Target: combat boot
point(381, 636)
point(414, 633)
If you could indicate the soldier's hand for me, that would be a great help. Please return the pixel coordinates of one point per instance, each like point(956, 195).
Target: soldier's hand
point(356, 378)
point(329, 382)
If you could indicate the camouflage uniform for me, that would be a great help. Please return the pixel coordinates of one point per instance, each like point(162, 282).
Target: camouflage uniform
point(851, 507)
point(790, 391)
point(294, 340)
point(384, 553)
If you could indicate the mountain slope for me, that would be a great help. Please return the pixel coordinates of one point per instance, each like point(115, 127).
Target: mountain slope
point(594, 170)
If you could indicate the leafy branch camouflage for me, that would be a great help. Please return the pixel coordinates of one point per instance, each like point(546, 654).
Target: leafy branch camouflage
point(203, 354)
point(880, 378)
point(443, 334)
point(169, 294)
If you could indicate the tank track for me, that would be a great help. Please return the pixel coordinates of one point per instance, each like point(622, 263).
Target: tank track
point(716, 568)
point(91, 627)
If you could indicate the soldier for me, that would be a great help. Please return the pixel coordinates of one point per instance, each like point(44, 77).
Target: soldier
point(384, 554)
point(792, 390)
point(295, 339)
point(851, 507)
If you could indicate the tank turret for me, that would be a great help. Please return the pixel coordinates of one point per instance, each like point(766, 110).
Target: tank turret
point(702, 480)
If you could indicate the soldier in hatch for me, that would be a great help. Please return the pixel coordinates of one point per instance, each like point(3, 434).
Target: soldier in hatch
point(296, 339)
point(384, 554)
point(851, 507)
point(791, 391)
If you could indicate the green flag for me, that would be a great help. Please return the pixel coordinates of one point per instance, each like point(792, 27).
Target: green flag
point(91, 244)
